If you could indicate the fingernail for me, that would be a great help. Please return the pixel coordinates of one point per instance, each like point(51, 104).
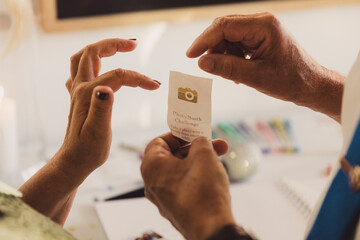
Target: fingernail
point(133, 39)
point(157, 82)
point(102, 96)
point(207, 64)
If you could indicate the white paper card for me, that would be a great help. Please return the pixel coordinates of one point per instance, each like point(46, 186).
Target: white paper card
point(350, 106)
point(189, 106)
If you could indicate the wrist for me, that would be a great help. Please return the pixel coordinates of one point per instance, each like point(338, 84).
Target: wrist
point(231, 231)
point(64, 164)
point(205, 226)
point(320, 89)
point(324, 92)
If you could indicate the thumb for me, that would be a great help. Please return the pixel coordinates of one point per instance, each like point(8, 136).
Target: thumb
point(99, 116)
point(229, 66)
point(220, 146)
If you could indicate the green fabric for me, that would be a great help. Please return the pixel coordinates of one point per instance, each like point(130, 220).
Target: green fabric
point(18, 221)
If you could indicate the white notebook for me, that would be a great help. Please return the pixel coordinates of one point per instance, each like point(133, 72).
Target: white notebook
point(271, 211)
point(130, 218)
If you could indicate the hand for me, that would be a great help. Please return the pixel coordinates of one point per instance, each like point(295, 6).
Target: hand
point(88, 137)
point(189, 185)
point(257, 51)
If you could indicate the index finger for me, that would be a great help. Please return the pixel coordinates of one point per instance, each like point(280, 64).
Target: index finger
point(233, 28)
point(168, 142)
point(158, 151)
point(211, 37)
point(89, 57)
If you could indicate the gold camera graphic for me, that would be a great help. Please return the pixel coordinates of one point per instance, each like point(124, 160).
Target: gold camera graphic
point(188, 95)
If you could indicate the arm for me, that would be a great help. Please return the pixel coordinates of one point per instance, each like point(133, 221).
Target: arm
point(87, 142)
point(51, 192)
point(191, 190)
point(257, 51)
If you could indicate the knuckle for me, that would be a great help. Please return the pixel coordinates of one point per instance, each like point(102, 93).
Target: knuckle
point(219, 21)
point(272, 20)
point(120, 43)
point(155, 142)
point(80, 89)
point(153, 161)
point(73, 58)
point(89, 49)
point(94, 133)
point(68, 84)
point(228, 69)
point(216, 20)
point(119, 73)
point(267, 14)
point(80, 92)
point(91, 52)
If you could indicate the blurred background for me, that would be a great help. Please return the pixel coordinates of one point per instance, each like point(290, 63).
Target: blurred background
point(34, 72)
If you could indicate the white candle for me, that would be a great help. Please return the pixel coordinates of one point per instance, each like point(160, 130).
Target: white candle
point(8, 135)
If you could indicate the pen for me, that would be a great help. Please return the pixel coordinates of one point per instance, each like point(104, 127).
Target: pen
point(132, 148)
point(138, 193)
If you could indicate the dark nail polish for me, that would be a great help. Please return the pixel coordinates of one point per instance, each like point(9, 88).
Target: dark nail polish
point(102, 96)
point(133, 39)
point(157, 82)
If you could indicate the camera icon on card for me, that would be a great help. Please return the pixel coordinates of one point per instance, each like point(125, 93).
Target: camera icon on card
point(188, 95)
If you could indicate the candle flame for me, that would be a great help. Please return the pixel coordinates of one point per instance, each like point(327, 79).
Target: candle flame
point(1, 93)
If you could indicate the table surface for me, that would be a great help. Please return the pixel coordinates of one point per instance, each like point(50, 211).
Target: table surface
point(121, 172)
point(308, 169)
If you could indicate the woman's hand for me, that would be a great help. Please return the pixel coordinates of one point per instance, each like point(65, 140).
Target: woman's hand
point(52, 189)
point(256, 50)
point(189, 185)
point(88, 137)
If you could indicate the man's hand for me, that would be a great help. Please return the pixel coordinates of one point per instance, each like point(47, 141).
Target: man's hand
point(257, 51)
point(189, 185)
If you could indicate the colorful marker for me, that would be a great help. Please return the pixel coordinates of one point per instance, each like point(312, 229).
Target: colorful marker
point(269, 135)
point(230, 131)
point(288, 129)
point(278, 127)
point(253, 136)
